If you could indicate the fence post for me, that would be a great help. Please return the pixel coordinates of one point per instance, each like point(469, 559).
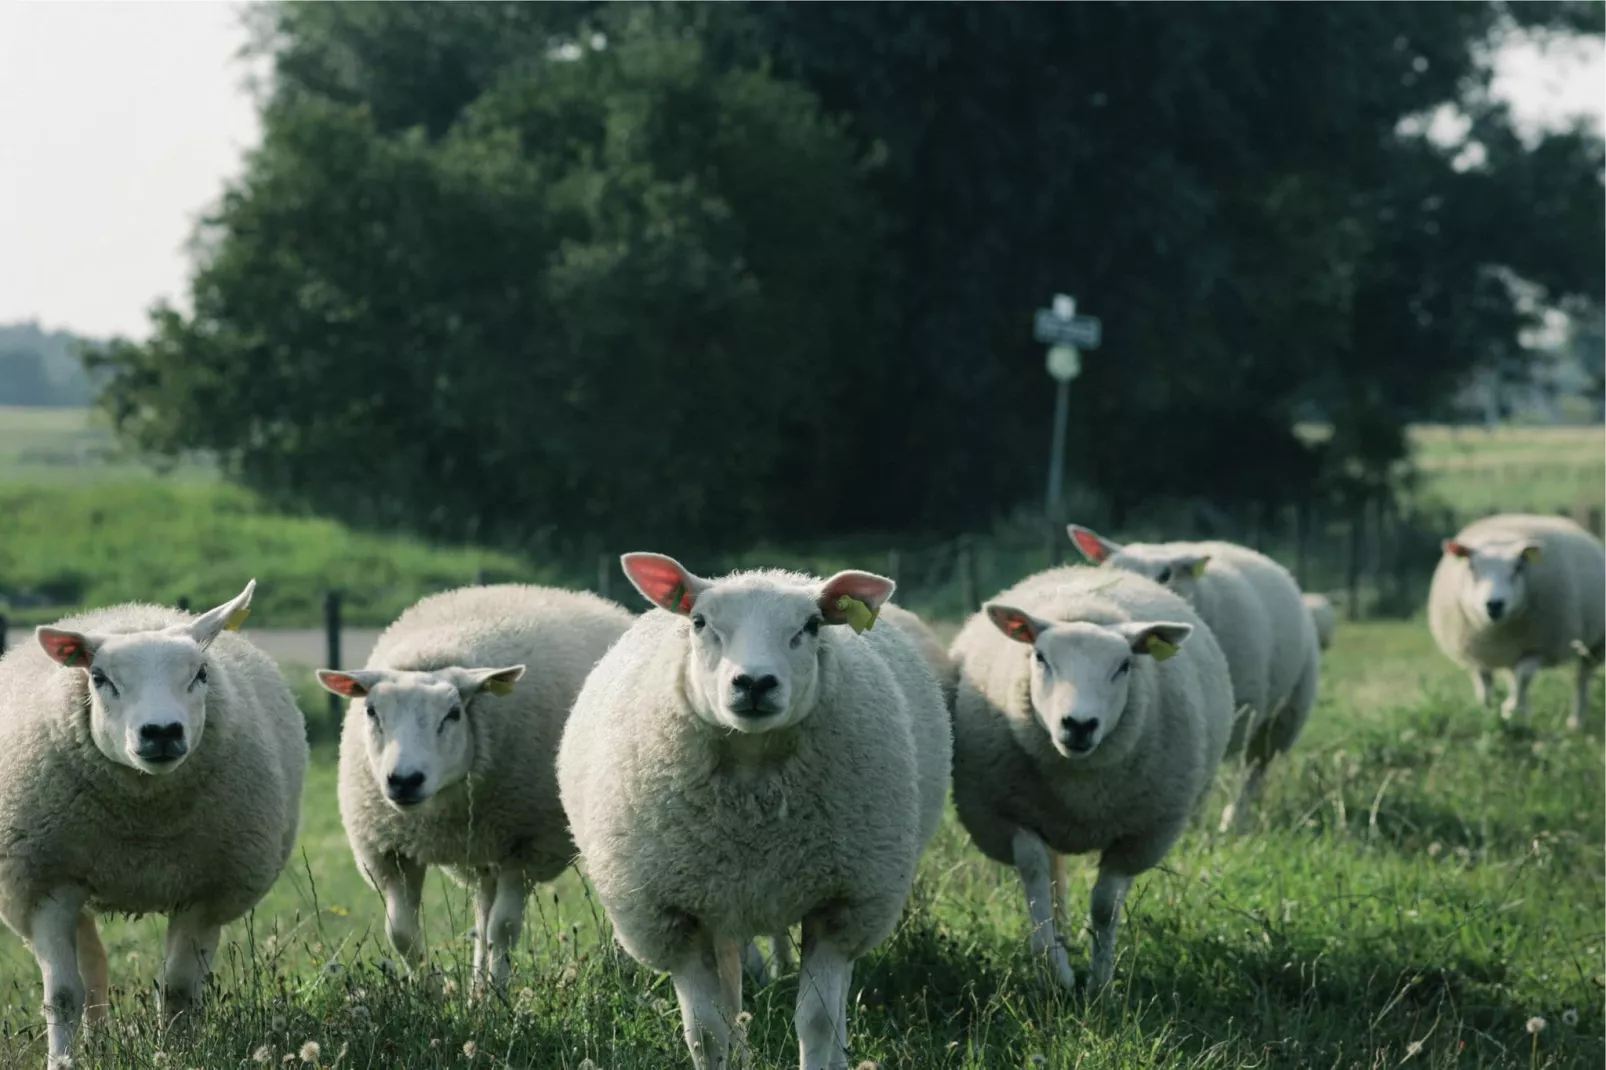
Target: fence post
point(892, 566)
point(1595, 520)
point(1301, 524)
point(479, 576)
point(968, 588)
point(1352, 566)
point(184, 603)
point(604, 574)
point(3, 624)
point(331, 627)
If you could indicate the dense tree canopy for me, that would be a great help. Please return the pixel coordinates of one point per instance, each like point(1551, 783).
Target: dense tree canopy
point(614, 271)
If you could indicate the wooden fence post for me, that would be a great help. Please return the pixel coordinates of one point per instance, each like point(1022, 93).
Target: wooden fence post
point(1595, 521)
point(331, 627)
point(968, 588)
point(3, 624)
point(184, 603)
point(1352, 564)
point(892, 569)
point(604, 575)
point(1301, 526)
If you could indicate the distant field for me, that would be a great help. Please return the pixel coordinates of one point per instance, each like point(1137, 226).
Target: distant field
point(1423, 883)
point(1538, 469)
point(72, 446)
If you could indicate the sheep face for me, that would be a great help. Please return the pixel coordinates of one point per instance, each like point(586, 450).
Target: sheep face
point(755, 643)
point(1178, 572)
point(1081, 673)
point(147, 690)
point(419, 737)
point(1495, 586)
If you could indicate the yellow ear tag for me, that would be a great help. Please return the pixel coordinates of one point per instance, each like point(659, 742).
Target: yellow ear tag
point(1199, 567)
point(1159, 649)
point(861, 618)
point(1530, 554)
point(237, 618)
point(497, 687)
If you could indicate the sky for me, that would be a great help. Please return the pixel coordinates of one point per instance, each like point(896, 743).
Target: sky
point(121, 122)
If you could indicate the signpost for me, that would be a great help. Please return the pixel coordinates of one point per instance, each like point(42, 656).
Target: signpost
point(1060, 328)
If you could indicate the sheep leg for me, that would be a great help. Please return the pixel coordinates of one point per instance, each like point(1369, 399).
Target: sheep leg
point(401, 881)
point(505, 922)
point(728, 961)
point(191, 943)
point(1058, 888)
point(484, 900)
point(1483, 687)
point(1032, 862)
point(1586, 670)
point(92, 965)
point(1109, 893)
point(706, 1020)
point(753, 962)
point(785, 959)
point(53, 935)
point(1522, 675)
point(822, 1001)
point(1237, 814)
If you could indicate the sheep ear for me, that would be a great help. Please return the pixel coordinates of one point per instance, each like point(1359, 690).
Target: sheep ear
point(1095, 548)
point(663, 581)
point(1158, 639)
point(471, 682)
point(230, 615)
point(353, 684)
point(1532, 552)
point(1455, 549)
point(73, 649)
point(1194, 565)
point(1017, 624)
point(854, 598)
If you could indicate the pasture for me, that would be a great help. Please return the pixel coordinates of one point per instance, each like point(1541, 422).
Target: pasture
point(1423, 883)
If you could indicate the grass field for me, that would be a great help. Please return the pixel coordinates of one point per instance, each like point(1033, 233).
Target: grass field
point(1424, 882)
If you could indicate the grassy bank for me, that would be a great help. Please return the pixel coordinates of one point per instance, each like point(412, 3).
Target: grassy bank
point(1424, 882)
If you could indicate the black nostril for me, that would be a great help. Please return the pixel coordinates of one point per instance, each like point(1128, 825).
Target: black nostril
point(1497, 606)
point(161, 733)
point(742, 682)
point(405, 785)
point(765, 683)
point(1081, 728)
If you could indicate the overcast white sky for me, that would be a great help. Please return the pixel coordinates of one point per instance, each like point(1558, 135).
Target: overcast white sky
point(120, 121)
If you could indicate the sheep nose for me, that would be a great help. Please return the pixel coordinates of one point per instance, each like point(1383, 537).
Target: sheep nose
point(1497, 608)
point(404, 788)
point(162, 742)
point(755, 689)
point(1079, 734)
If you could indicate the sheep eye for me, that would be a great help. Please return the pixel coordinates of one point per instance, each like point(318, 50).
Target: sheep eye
point(200, 676)
point(452, 715)
point(373, 714)
point(1125, 667)
point(100, 679)
point(1037, 655)
point(1165, 575)
point(813, 626)
point(698, 622)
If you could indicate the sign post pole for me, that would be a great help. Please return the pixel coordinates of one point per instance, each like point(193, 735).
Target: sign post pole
point(1063, 331)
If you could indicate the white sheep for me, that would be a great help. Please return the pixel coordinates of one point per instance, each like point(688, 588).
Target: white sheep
point(740, 762)
point(1323, 617)
point(445, 762)
point(930, 647)
point(1255, 611)
point(1521, 593)
point(150, 763)
point(1093, 712)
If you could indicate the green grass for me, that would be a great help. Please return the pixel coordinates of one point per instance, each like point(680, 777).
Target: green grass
point(1422, 876)
point(1512, 469)
point(73, 446)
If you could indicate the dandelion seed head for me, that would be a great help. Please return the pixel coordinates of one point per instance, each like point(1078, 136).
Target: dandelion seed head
point(1536, 1025)
point(310, 1051)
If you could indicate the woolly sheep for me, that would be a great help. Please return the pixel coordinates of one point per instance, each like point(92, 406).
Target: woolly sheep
point(1323, 617)
point(150, 763)
point(930, 647)
point(1254, 609)
point(1093, 712)
point(1521, 593)
point(444, 761)
point(739, 762)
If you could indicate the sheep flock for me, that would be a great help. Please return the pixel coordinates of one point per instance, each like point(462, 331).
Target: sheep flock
point(760, 756)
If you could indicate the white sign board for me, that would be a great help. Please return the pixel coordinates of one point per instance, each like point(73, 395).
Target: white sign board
point(1064, 363)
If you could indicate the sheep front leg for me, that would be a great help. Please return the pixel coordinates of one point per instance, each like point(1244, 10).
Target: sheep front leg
point(92, 965)
point(191, 943)
point(1109, 893)
point(822, 1001)
point(706, 1012)
point(1483, 687)
point(401, 881)
point(1522, 675)
point(500, 925)
point(53, 936)
point(1586, 670)
point(1036, 874)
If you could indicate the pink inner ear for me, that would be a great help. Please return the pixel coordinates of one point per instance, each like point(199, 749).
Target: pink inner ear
point(1090, 544)
point(65, 648)
point(864, 587)
point(659, 578)
point(1014, 625)
point(342, 684)
point(1456, 549)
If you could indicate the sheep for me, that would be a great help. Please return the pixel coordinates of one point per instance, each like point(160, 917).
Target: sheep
point(739, 762)
point(444, 761)
point(151, 761)
point(1521, 593)
point(930, 647)
point(1254, 609)
point(1322, 615)
point(1093, 712)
